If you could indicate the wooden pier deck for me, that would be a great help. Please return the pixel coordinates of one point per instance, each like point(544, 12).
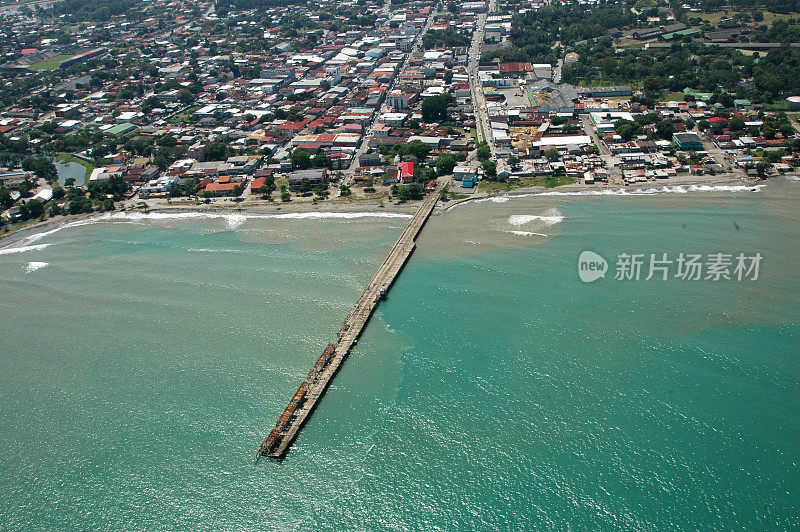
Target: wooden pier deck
point(278, 441)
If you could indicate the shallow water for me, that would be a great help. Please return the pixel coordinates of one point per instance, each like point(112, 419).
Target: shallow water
point(70, 169)
point(144, 359)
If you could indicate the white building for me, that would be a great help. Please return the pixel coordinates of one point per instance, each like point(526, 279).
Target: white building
point(465, 172)
point(397, 100)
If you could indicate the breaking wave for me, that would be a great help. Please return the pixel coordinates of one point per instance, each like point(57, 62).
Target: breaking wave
point(526, 233)
point(33, 266)
point(667, 189)
point(237, 219)
point(551, 217)
point(233, 220)
point(20, 249)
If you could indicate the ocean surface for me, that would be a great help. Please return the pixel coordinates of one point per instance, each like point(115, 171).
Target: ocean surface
point(144, 359)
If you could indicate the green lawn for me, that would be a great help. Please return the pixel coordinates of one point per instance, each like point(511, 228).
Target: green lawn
point(493, 187)
point(715, 18)
point(49, 64)
point(776, 106)
point(552, 181)
point(674, 97)
point(496, 187)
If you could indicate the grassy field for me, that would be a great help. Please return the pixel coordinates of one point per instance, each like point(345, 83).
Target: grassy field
point(49, 64)
point(496, 187)
point(493, 187)
point(552, 181)
point(776, 106)
point(674, 97)
point(629, 43)
point(715, 18)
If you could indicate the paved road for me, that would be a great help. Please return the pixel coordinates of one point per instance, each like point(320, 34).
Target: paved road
point(478, 100)
point(611, 162)
point(719, 156)
point(364, 146)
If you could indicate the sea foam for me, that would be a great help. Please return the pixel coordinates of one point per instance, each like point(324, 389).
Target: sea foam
point(526, 233)
point(232, 220)
point(668, 189)
point(551, 217)
point(33, 266)
point(21, 249)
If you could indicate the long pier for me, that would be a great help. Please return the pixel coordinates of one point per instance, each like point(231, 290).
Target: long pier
point(278, 441)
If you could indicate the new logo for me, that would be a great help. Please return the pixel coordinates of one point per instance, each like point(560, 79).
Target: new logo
point(591, 266)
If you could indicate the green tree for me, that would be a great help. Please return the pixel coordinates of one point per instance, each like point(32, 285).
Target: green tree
point(484, 152)
point(489, 170)
point(321, 190)
point(415, 191)
point(185, 97)
point(665, 129)
point(418, 149)
point(434, 108)
point(43, 168)
point(268, 187)
point(552, 154)
point(80, 205)
point(31, 209)
point(301, 159)
point(321, 160)
point(625, 129)
point(285, 194)
point(445, 164)
point(5, 198)
point(150, 103)
point(216, 151)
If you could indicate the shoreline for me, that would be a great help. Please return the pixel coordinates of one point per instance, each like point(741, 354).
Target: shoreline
point(379, 206)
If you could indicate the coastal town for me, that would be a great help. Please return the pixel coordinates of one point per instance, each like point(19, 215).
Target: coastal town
point(177, 104)
point(400, 264)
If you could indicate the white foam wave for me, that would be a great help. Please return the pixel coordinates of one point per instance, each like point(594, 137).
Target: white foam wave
point(21, 249)
point(526, 233)
point(494, 199)
point(339, 215)
point(209, 250)
point(237, 219)
point(674, 189)
point(233, 221)
point(551, 217)
point(38, 236)
point(33, 266)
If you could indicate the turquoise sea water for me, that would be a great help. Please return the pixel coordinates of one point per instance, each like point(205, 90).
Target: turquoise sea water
point(144, 363)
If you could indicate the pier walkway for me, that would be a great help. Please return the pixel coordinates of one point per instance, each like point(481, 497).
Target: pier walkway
point(313, 387)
